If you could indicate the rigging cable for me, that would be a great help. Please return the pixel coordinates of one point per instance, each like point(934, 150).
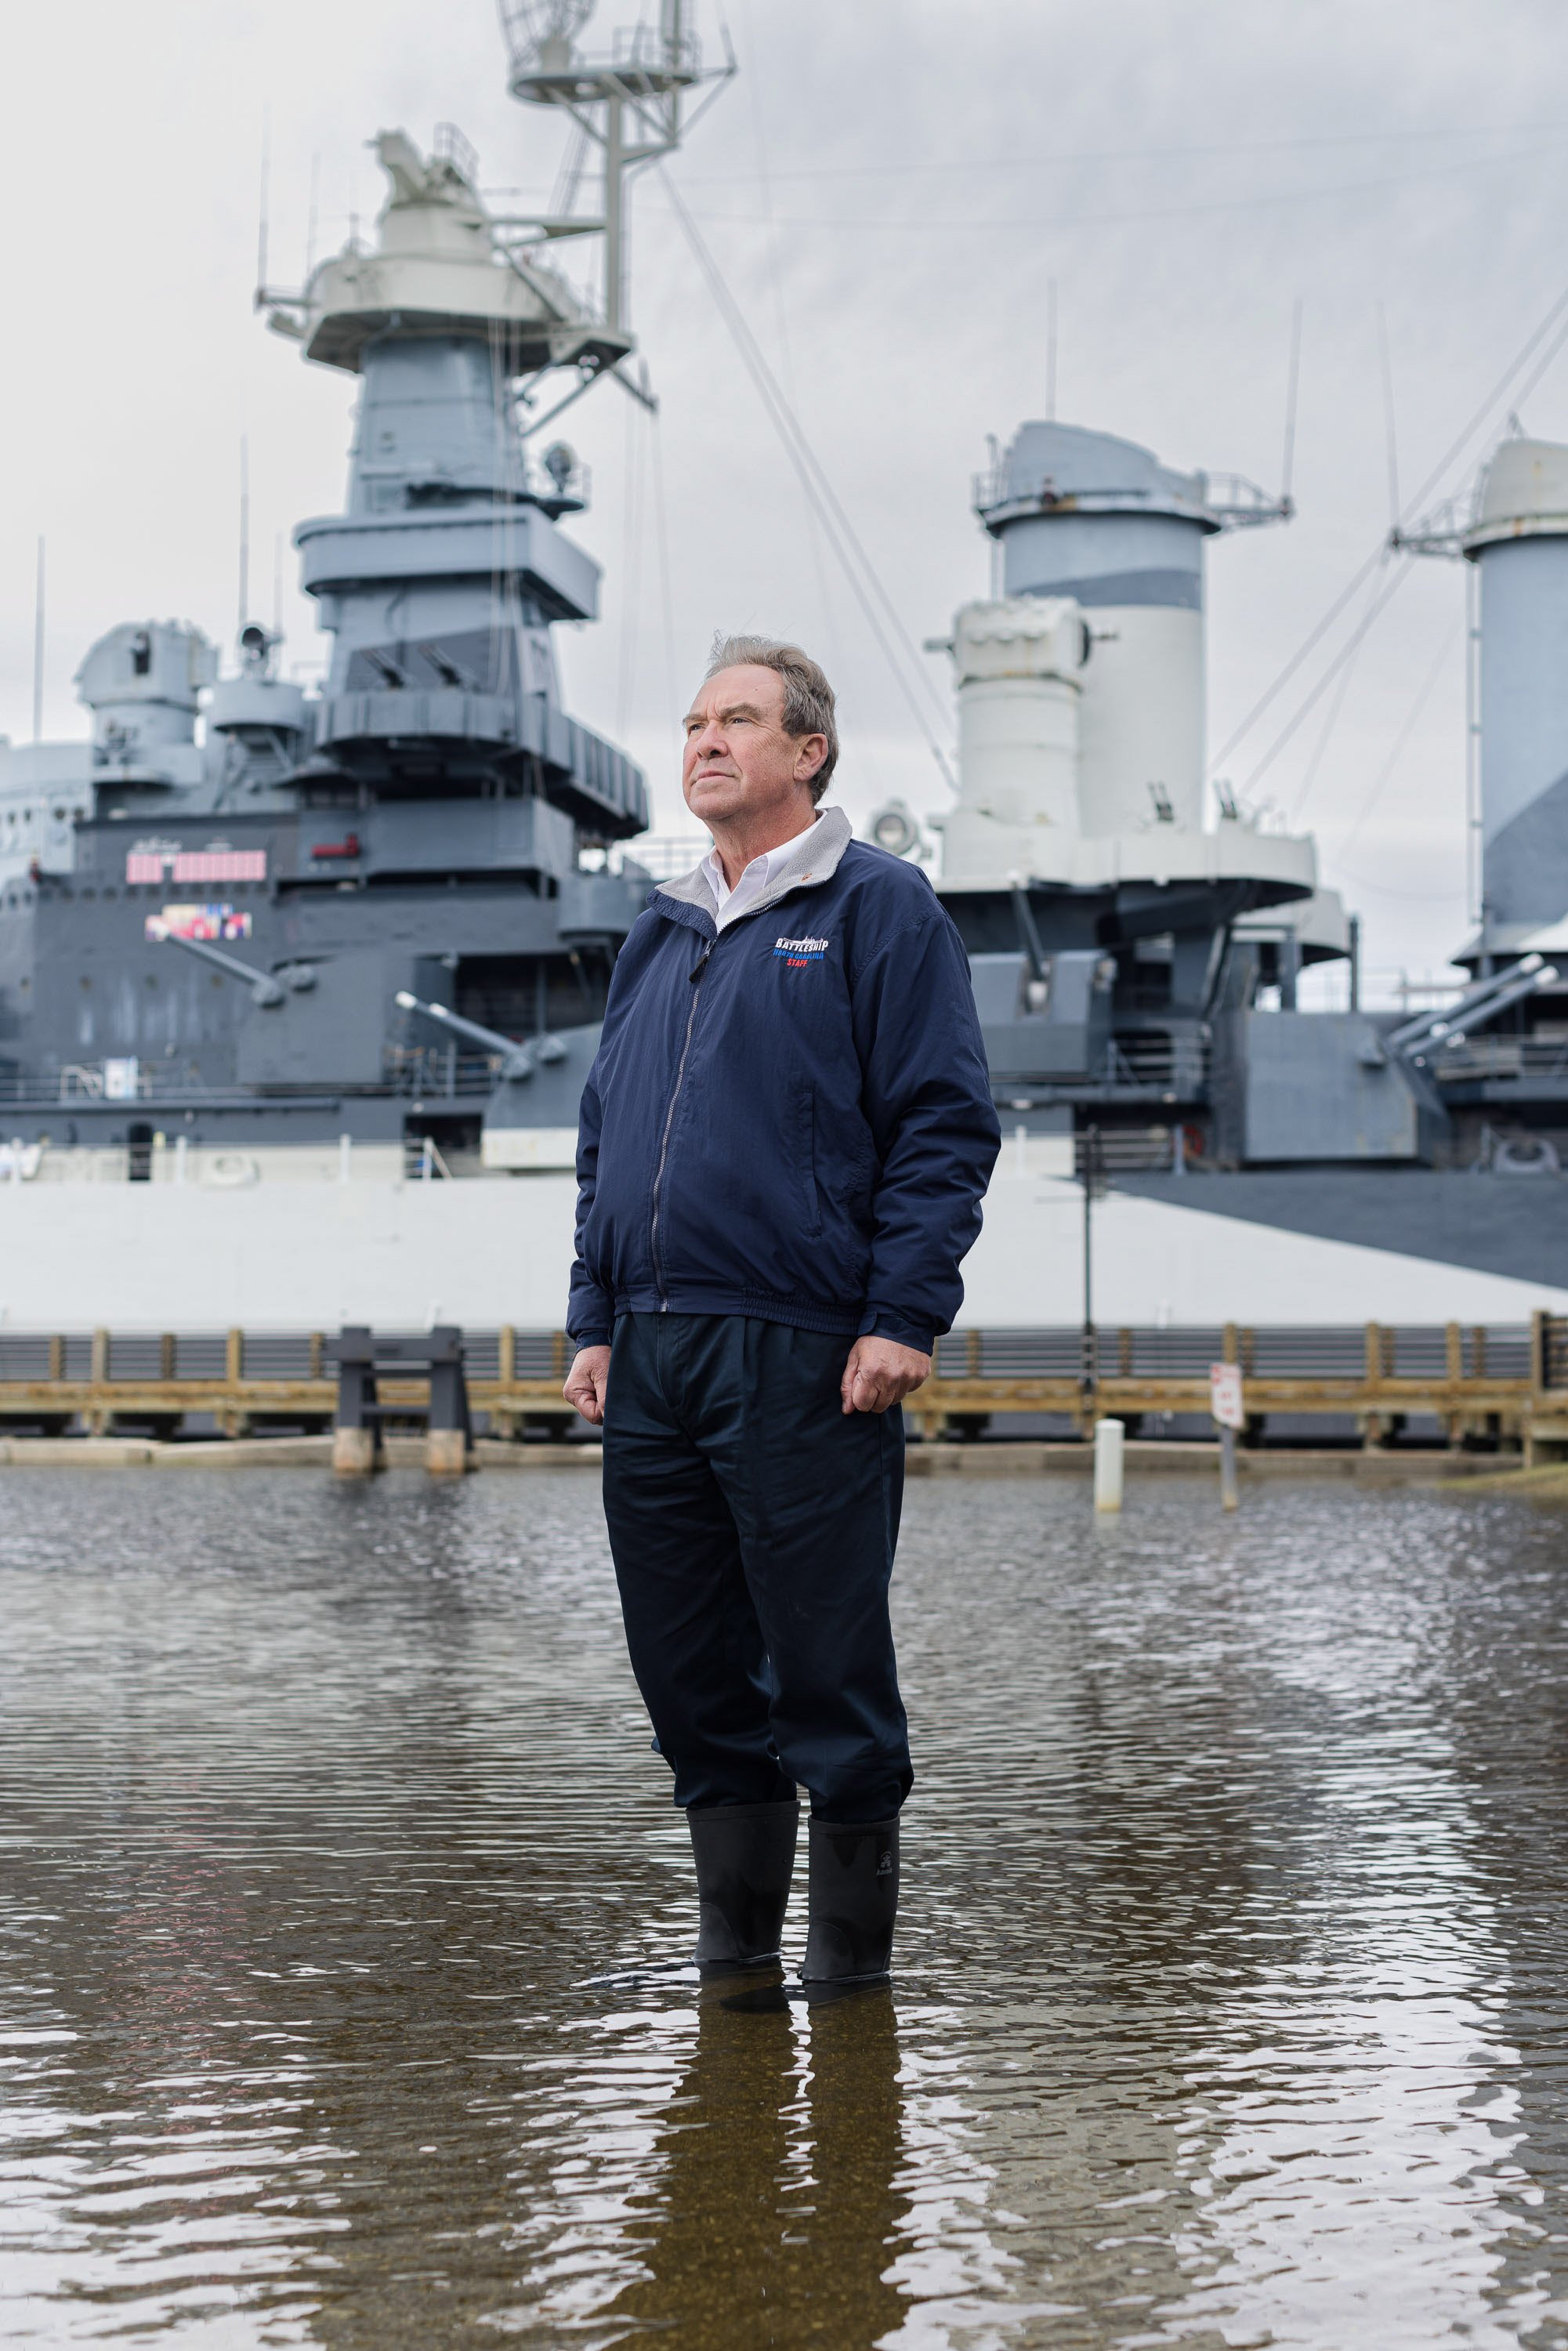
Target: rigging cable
point(1320, 749)
point(1034, 222)
point(864, 584)
point(992, 163)
point(1412, 720)
point(1379, 602)
point(1364, 572)
point(1348, 652)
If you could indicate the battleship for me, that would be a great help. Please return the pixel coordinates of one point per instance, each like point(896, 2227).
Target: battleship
point(299, 989)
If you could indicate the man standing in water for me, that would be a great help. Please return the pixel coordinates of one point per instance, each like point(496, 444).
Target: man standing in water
point(783, 1146)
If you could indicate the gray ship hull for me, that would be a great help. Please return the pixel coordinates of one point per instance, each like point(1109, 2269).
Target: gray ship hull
point(1514, 1227)
point(293, 1243)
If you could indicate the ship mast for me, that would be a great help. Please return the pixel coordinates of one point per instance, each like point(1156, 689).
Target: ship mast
point(632, 104)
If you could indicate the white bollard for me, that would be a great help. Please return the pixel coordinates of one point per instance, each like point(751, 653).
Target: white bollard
point(1110, 1436)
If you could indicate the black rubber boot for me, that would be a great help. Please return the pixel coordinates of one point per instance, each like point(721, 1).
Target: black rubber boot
point(854, 1898)
point(744, 1855)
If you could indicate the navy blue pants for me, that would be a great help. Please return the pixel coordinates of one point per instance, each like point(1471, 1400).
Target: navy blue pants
point(753, 1523)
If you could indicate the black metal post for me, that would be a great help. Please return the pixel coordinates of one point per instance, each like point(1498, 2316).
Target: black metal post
point(357, 1406)
point(1089, 1367)
point(448, 1381)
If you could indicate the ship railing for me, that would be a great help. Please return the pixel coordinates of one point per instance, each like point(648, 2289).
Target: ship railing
point(662, 856)
point(472, 1080)
point(1003, 484)
point(75, 1081)
point(426, 1071)
point(439, 1070)
point(1498, 1383)
point(1238, 503)
point(1158, 1061)
point(149, 1084)
point(1125, 1151)
point(1500, 1056)
point(652, 50)
point(452, 146)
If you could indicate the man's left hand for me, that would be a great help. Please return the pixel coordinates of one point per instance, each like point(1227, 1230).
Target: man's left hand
point(880, 1373)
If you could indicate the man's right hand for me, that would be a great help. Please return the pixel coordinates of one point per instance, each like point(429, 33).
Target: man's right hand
point(587, 1382)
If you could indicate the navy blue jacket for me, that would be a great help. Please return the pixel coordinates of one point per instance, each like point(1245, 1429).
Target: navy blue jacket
point(791, 1119)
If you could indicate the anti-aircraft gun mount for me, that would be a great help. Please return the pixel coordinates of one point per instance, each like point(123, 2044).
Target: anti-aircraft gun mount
point(530, 1118)
point(268, 991)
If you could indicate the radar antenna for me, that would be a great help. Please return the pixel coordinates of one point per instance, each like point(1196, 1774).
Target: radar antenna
point(629, 103)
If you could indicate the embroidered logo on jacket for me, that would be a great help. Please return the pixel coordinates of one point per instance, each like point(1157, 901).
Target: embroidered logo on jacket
point(796, 952)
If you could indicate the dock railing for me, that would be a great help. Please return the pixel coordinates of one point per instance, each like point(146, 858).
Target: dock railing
point(1499, 1384)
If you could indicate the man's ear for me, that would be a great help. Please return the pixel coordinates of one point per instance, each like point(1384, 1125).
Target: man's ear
point(805, 775)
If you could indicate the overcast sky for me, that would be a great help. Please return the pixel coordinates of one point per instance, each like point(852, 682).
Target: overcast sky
point(889, 186)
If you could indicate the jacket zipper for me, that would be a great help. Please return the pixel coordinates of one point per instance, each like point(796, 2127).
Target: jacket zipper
point(696, 981)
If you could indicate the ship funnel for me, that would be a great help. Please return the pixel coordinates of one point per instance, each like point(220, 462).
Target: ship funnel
point(1087, 515)
point(1516, 534)
point(1519, 541)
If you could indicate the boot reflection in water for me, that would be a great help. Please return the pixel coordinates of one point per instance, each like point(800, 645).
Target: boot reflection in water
point(778, 2210)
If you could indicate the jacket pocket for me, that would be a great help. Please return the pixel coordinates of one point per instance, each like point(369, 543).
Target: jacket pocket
point(806, 1162)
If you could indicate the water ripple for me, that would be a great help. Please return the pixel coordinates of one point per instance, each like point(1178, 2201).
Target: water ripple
point(1230, 2007)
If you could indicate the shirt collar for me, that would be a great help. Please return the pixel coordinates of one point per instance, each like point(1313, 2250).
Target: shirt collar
point(772, 862)
point(820, 850)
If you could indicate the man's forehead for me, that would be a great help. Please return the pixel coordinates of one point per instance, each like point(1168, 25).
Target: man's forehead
point(747, 687)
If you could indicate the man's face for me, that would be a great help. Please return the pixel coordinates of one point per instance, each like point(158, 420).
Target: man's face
point(738, 761)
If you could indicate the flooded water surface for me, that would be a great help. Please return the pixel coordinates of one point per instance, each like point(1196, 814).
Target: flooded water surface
point(1231, 1988)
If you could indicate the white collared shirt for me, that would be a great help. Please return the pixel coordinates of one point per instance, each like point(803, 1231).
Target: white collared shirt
point(756, 880)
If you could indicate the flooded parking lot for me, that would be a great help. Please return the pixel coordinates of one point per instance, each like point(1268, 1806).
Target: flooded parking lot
point(1230, 2001)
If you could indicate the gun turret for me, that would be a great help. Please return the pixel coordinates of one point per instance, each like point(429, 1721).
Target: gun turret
point(520, 1058)
point(1450, 1025)
point(265, 990)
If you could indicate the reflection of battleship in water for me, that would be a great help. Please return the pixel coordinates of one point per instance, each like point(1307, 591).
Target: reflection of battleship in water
point(302, 988)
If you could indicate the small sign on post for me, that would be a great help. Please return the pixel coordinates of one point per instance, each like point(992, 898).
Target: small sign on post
point(1109, 1453)
point(1227, 1406)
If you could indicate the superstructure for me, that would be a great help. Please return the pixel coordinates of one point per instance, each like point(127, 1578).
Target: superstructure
point(298, 988)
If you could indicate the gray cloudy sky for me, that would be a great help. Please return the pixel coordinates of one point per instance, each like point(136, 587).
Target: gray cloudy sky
point(889, 189)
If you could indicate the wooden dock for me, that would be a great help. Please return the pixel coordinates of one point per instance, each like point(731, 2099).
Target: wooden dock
point(1502, 1386)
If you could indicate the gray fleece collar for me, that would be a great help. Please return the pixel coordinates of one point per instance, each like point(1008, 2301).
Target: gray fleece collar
point(814, 858)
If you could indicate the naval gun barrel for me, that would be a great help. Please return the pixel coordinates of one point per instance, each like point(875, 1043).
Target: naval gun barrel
point(518, 1059)
point(1440, 1025)
point(1029, 934)
point(265, 991)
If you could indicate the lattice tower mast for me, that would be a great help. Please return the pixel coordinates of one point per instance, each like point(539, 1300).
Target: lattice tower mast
point(632, 104)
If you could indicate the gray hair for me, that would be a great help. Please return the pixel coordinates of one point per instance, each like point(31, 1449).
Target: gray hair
point(809, 705)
